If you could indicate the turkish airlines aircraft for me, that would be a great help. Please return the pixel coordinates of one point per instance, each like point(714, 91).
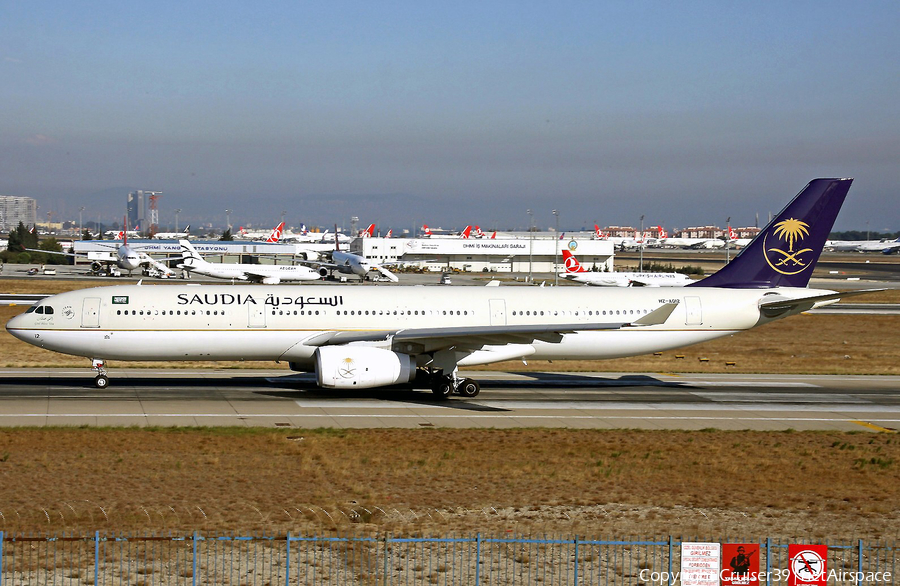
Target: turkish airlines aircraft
point(254, 273)
point(576, 272)
point(363, 337)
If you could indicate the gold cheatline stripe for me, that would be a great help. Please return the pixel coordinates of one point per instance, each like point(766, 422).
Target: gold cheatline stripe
point(874, 427)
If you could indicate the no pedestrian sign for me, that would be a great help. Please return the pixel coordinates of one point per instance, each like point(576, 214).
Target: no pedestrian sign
point(808, 565)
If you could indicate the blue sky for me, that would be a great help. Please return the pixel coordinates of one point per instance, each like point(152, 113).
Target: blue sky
point(451, 113)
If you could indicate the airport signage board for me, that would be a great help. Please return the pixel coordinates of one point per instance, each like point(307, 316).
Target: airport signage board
point(740, 564)
point(699, 564)
point(807, 565)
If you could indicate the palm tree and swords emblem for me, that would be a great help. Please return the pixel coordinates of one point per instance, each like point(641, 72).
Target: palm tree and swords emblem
point(346, 368)
point(793, 231)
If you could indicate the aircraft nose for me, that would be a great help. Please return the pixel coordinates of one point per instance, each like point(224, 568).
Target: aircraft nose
point(15, 325)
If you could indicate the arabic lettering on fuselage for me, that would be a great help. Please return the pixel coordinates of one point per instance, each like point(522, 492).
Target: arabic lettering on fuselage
point(274, 300)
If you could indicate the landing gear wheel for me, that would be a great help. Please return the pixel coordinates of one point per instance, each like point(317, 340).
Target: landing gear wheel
point(468, 388)
point(442, 388)
point(102, 381)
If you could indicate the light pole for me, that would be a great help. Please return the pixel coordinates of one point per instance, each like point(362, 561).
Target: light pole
point(80, 224)
point(283, 213)
point(177, 211)
point(228, 219)
point(641, 246)
point(556, 252)
point(530, 243)
point(728, 240)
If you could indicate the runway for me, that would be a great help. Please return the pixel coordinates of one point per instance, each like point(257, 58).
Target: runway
point(279, 399)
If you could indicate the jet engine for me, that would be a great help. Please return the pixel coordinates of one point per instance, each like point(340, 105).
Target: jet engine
point(323, 272)
point(96, 266)
point(362, 367)
point(271, 280)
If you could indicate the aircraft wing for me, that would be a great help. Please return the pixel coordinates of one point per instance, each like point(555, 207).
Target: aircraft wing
point(473, 338)
point(56, 252)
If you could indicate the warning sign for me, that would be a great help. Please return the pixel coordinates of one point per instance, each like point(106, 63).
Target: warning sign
point(807, 565)
point(699, 564)
point(740, 564)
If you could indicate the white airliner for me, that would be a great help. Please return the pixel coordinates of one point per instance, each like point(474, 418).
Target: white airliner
point(348, 263)
point(254, 273)
point(122, 256)
point(576, 272)
point(363, 337)
point(173, 235)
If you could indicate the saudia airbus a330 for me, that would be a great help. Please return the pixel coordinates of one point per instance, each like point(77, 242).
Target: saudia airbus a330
point(379, 336)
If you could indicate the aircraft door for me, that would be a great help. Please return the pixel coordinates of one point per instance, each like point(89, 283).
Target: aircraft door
point(257, 317)
point(90, 313)
point(498, 312)
point(694, 312)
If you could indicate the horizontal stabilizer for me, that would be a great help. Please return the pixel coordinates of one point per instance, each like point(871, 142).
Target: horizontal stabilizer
point(781, 304)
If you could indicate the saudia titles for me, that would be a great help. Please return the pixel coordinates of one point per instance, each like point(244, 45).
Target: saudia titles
point(788, 262)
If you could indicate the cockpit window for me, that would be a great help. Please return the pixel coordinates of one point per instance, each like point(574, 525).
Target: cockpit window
point(30, 309)
point(48, 310)
point(39, 309)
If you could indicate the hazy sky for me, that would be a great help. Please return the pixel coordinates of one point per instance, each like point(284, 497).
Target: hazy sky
point(451, 113)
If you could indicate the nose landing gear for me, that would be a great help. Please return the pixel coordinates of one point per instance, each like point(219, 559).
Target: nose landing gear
point(101, 381)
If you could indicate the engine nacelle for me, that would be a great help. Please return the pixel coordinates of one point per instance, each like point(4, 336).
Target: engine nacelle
point(96, 266)
point(271, 280)
point(323, 272)
point(362, 367)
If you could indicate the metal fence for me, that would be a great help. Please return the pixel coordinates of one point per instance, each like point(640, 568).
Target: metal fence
point(387, 560)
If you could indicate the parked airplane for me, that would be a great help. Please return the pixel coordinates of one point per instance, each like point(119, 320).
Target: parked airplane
point(734, 241)
point(576, 272)
point(272, 236)
point(349, 264)
point(173, 235)
point(883, 246)
point(254, 273)
point(123, 256)
point(692, 242)
point(377, 336)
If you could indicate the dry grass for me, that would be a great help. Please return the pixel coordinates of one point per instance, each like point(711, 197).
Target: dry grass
point(592, 482)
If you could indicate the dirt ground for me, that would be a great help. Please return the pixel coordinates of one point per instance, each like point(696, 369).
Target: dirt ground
point(589, 482)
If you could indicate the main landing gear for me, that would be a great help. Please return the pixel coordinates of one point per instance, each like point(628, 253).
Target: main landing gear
point(445, 385)
point(101, 381)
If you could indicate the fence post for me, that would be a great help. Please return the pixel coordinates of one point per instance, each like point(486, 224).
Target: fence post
point(859, 579)
point(386, 561)
point(1, 558)
point(768, 561)
point(576, 560)
point(96, 557)
point(477, 559)
point(671, 576)
point(194, 561)
point(287, 560)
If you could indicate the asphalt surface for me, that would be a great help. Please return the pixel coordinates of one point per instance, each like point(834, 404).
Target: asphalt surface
point(278, 398)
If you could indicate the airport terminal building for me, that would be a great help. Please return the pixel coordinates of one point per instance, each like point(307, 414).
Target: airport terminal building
point(510, 255)
point(518, 255)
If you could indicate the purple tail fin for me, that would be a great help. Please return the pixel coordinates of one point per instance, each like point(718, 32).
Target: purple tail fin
point(784, 253)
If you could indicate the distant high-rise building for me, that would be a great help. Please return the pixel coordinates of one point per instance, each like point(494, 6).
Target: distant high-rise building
point(17, 209)
point(138, 205)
